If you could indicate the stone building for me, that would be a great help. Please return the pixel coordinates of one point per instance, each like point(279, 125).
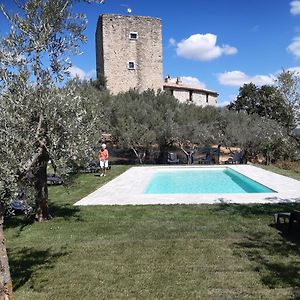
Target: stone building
point(190, 94)
point(129, 52)
point(129, 55)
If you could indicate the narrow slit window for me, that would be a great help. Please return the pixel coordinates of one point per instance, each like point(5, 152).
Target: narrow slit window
point(133, 36)
point(131, 65)
point(190, 96)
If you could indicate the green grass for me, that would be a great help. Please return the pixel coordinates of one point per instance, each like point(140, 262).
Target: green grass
point(281, 171)
point(152, 252)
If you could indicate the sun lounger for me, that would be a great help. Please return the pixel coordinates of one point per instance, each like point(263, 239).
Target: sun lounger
point(287, 218)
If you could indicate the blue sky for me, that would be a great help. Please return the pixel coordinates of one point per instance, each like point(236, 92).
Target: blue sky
point(219, 44)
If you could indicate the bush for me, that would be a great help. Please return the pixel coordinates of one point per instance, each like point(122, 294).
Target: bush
point(289, 165)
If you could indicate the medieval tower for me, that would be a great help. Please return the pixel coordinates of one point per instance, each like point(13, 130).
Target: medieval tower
point(129, 52)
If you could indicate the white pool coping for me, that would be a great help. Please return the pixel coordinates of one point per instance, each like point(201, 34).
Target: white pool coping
point(128, 189)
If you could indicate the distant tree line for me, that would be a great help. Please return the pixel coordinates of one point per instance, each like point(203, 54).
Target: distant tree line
point(260, 121)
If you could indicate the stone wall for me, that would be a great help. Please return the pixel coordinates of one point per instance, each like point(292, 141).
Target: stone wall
point(198, 98)
point(115, 49)
point(204, 99)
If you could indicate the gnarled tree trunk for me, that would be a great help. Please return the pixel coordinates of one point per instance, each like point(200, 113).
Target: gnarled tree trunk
point(5, 279)
point(41, 188)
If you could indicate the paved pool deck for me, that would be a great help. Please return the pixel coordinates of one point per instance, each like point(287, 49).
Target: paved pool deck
point(128, 189)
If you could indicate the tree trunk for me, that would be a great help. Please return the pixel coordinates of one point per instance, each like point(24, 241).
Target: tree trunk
point(139, 156)
point(41, 188)
point(5, 283)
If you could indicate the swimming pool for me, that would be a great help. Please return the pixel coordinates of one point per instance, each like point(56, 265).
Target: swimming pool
point(203, 181)
point(129, 188)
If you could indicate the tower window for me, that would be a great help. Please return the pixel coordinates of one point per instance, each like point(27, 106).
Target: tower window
point(131, 65)
point(206, 98)
point(133, 36)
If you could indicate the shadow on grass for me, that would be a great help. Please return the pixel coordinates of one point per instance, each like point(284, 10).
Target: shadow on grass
point(65, 211)
point(24, 263)
point(276, 260)
point(274, 257)
point(18, 221)
point(254, 210)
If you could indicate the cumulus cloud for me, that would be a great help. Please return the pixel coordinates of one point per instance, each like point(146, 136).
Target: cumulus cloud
point(238, 78)
point(294, 69)
point(294, 47)
point(295, 7)
point(81, 74)
point(189, 80)
point(203, 47)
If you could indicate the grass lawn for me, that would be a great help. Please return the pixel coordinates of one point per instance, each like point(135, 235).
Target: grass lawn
point(152, 252)
point(289, 173)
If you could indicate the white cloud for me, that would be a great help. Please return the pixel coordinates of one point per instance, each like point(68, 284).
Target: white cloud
point(238, 78)
point(294, 47)
point(230, 98)
point(81, 74)
point(294, 69)
point(223, 103)
point(295, 7)
point(189, 80)
point(172, 42)
point(228, 50)
point(203, 47)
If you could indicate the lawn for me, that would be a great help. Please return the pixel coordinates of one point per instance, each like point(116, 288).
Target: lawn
point(152, 252)
point(281, 171)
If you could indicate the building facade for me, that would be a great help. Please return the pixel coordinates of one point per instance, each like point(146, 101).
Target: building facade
point(129, 52)
point(190, 94)
point(129, 56)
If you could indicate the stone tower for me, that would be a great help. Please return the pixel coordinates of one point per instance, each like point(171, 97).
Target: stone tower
point(129, 52)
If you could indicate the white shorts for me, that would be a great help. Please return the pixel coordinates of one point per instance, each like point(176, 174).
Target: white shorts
point(103, 164)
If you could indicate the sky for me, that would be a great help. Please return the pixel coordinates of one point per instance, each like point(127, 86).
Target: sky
point(217, 44)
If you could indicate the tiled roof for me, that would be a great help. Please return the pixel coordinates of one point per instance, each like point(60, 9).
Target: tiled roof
point(175, 86)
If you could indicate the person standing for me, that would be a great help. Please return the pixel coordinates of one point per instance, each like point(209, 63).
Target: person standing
point(103, 159)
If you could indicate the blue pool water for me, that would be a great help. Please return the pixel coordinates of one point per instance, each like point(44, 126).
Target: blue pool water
point(205, 181)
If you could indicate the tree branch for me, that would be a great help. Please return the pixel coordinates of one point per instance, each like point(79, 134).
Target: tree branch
point(41, 119)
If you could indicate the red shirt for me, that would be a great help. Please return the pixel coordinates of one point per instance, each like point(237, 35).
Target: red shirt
point(103, 154)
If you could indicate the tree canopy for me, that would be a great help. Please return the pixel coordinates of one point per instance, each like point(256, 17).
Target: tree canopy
point(279, 102)
point(41, 120)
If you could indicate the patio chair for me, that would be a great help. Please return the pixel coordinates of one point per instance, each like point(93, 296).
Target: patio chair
point(295, 216)
point(236, 159)
point(172, 158)
point(208, 160)
point(287, 218)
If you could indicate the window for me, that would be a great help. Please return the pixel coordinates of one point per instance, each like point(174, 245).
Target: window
point(133, 36)
point(206, 98)
point(191, 96)
point(131, 65)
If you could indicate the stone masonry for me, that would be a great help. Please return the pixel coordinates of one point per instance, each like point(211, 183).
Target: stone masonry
point(190, 94)
point(129, 52)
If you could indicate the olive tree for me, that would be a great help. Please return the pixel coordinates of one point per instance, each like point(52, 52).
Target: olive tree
point(196, 126)
point(40, 120)
point(257, 135)
point(134, 121)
